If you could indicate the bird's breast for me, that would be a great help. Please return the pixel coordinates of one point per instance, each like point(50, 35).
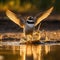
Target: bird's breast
point(30, 25)
point(29, 28)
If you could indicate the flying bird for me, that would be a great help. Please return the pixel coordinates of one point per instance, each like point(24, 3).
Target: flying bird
point(30, 23)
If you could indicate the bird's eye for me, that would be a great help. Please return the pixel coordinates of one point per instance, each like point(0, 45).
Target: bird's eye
point(30, 18)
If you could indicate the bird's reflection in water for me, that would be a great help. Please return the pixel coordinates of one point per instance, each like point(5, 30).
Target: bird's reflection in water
point(33, 52)
point(30, 52)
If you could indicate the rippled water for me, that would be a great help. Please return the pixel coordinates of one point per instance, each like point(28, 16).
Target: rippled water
point(30, 52)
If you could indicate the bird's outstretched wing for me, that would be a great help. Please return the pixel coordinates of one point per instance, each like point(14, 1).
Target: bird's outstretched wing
point(14, 18)
point(43, 16)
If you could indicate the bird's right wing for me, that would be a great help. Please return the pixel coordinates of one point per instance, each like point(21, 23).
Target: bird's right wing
point(14, 18)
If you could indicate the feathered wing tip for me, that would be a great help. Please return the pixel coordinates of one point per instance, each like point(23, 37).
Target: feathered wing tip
point(43, 16)
point(14, 18)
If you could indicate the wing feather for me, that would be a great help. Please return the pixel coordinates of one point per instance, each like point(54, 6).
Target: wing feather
point(14, 18)
point(43, 16)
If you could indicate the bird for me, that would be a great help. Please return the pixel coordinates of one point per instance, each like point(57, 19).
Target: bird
point(30, 22)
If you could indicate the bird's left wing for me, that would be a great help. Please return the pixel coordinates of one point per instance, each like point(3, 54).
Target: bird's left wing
point(43, 16)
point(14, 18)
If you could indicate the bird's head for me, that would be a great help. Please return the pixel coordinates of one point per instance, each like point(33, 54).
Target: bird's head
point(30, 20)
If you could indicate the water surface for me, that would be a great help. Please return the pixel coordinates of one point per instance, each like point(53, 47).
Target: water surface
point(30, 52)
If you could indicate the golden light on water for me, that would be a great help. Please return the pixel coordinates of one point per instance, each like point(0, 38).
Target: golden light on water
point(31, 50)
point(47, 49)
point(27, 51)
point(23, 52)
point(35, 52)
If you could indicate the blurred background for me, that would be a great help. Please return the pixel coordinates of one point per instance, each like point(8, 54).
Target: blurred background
point(29, 5)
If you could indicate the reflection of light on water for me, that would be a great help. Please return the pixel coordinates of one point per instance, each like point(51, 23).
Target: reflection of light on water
point(23, 52)
point(13, 49)
point(47, 49)
point(37, 51)
point(28, 52)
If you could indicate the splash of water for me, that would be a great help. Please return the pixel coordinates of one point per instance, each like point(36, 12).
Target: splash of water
point(36, 36)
